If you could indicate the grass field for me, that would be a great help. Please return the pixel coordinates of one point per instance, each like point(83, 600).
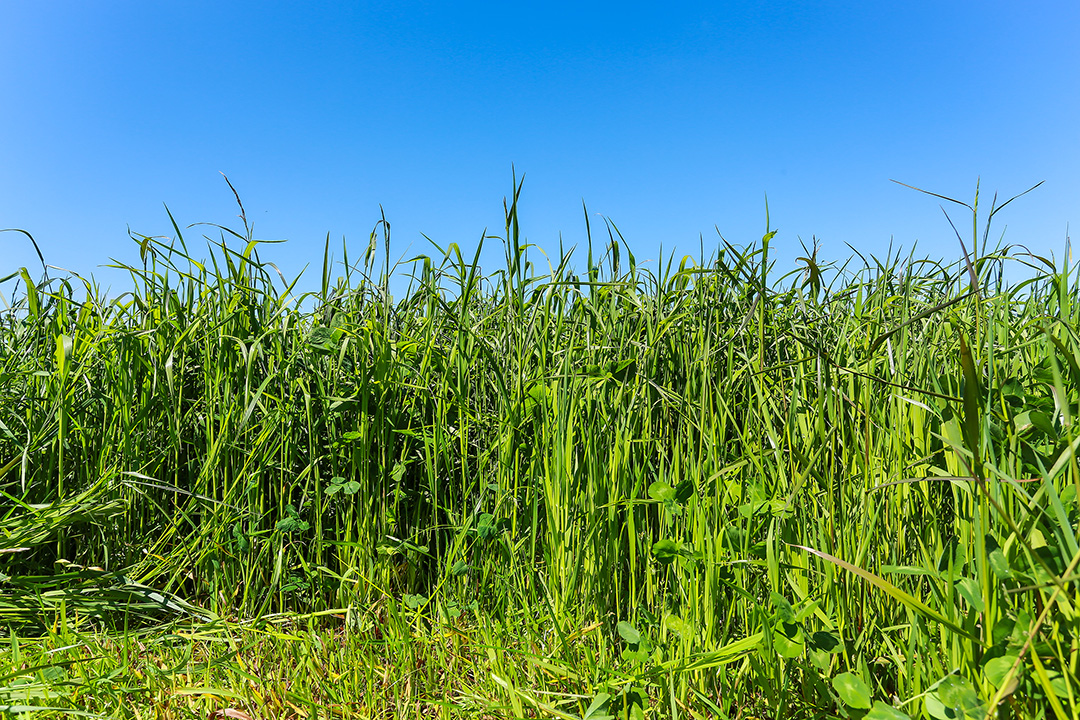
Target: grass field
point(576, 488)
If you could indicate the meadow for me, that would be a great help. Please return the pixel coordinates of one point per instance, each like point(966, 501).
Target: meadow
point(575, 486)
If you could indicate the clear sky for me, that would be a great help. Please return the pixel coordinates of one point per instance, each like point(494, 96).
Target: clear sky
point(671, 119)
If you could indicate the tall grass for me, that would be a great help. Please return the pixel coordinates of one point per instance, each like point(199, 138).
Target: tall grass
point(696, 490)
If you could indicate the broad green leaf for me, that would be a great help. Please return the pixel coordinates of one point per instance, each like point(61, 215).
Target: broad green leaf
point(997, 668)
point(786, 647)
point(487, 527)
point(782, 607)
point(321, 338)
point(598, 708)
point(1013, 390)
point(535, 397)
point(958, 691)
point(1058, 684)
point(826, 641)
point(852, 690)
point(1040, 421)
point(999, 564)
point(821, 660)
point(413, 602)
point(1003, 630)
point(666, 550)
point(969, 590)
point(676, 624)
point(660, 490)
point(292, 524)
point(954, 698)
point(1068, 495)
point(684, 490)
point(628, 633)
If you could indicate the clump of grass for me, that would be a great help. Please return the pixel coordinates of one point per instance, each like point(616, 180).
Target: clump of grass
point(705, 490)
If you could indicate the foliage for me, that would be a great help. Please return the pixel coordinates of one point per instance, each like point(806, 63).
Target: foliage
point(697, 491)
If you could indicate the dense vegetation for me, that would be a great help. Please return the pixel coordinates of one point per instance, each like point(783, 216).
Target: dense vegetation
point(695, 490)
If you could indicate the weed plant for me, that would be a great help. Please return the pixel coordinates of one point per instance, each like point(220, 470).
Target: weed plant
point(699, 490)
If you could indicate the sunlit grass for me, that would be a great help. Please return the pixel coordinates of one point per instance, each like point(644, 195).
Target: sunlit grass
point(707, 490)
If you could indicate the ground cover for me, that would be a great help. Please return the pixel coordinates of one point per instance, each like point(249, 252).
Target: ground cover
point(702, 489)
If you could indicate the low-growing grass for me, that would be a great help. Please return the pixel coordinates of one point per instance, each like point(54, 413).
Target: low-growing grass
point(700, 490)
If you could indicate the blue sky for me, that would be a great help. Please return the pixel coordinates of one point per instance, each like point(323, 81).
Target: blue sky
point(671, 119)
